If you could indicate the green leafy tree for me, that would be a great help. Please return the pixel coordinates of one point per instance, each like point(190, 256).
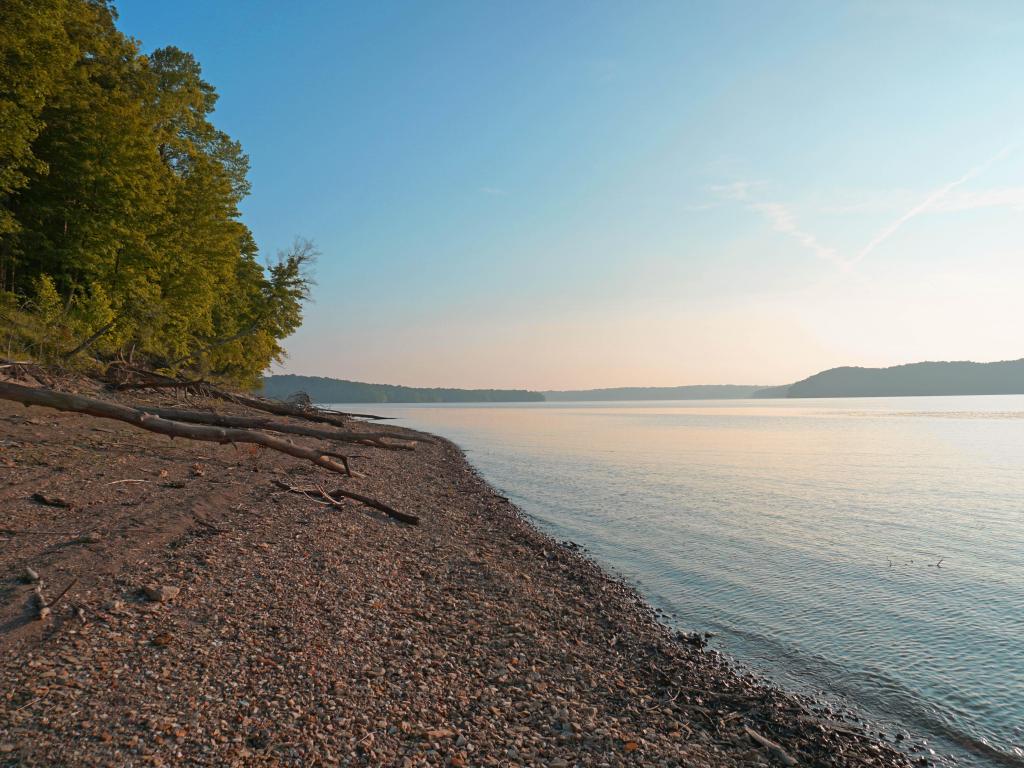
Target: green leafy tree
point(88, 217)
point(119, 193)
point(36, 57)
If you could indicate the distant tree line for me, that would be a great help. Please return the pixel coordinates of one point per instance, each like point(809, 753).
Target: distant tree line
point(688, 392)
point(119, 220)
point(320, 389)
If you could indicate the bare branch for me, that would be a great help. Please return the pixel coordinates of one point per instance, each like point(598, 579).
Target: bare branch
point(404, 517)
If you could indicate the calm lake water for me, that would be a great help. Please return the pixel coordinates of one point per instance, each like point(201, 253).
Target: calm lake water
point(870, 549)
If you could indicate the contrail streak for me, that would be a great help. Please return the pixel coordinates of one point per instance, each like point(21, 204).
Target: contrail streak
point(925, 205)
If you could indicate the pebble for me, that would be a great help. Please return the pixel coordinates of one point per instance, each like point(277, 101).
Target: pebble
point(160, 593)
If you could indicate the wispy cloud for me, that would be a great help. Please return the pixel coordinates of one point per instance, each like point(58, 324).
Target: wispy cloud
point(783, 220)
point(929, 203)
point(492, 191)
point(779, 216)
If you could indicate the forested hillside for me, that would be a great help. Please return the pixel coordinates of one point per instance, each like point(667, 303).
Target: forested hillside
point(929, 378)
point(119, 224)
point(325, 390)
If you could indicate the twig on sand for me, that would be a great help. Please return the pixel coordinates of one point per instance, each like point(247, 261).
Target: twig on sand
point(770, 745)
point(303, 491)
point(28, 704)
point(58, 597)
point(330, 499)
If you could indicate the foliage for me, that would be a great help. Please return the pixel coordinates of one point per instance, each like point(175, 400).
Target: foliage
point(36, 55)
point(119, 197)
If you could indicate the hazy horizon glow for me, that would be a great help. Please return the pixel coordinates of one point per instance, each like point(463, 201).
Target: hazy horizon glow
point(581, 195)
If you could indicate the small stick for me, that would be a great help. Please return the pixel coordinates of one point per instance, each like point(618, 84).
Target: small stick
point(770, 745)
point(303, 491)
point(29, 704)
point(58, 597)
point(115, 482)
point(330, 499)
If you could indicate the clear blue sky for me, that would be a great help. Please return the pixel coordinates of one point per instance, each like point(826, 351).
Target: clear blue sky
point(577, 194)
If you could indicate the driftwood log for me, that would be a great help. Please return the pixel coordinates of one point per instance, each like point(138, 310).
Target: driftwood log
point(248, 422)
point(405, 517)
point(118, 376)
point(62, 401)
point(280, 408)
point(140, 418)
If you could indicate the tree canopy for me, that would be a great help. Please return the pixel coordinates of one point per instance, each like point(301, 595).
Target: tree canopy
point(119, 201)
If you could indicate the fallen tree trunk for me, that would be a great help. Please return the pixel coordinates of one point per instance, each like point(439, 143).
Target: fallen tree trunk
point(281, 408)
point(62, 401)
point(249, 422)
point(154, 380)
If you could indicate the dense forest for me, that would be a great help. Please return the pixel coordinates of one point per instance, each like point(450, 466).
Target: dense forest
point(325, 390)
point(120, 233)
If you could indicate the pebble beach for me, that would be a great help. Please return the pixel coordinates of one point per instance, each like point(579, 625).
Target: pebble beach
point(213, 618)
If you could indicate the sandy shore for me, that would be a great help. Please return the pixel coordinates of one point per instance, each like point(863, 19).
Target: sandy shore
point(303, 634)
